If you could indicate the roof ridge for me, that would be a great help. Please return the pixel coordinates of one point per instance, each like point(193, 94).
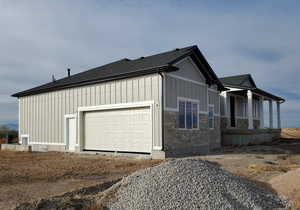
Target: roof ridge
point(238, 75)
point(165, 52)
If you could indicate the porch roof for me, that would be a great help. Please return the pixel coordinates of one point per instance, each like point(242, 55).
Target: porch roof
point(245, 82)
point(243, 91)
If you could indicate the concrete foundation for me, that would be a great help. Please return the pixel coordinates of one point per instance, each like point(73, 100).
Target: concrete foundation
point(249, 137)
point(48, 148)
point(158, 154)
point(16, 147)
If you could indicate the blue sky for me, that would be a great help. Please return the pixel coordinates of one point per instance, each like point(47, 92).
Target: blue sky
point(41, 38)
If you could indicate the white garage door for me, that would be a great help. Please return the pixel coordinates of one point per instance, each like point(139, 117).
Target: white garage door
point(128, 130)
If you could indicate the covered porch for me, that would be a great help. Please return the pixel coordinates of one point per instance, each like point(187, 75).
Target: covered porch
point(249, 105)
point(252, 127)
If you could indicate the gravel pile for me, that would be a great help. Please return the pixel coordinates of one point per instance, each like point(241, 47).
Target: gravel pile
point(191, 184)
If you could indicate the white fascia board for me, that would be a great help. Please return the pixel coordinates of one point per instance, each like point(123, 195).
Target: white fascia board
point(233, 89)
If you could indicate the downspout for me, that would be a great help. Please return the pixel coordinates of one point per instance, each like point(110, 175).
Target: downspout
point(162, 110)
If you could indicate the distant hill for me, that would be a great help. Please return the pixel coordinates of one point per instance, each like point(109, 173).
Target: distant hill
point(11, 126)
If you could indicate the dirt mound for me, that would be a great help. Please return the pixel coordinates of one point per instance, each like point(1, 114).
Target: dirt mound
point(69, 201)
point(291, 133)
point(288, 185)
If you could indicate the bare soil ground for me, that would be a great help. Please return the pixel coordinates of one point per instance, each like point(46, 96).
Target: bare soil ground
point(27, 177)
point(77, 181)
point(275, 165)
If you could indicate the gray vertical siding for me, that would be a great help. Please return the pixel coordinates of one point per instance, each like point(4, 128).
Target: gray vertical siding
point(189, 70)
point(222, 105)
point(180, 88)
point(188, 82)
point(214, 98)
point(42, 115)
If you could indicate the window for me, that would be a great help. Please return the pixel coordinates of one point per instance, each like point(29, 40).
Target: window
point(181, 114)
point(188, 115)
point(245, 108)
point(195, 115)
point(211, 116)
point(255, 108)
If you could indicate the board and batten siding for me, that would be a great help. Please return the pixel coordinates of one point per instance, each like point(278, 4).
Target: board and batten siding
point(188, 82)
point(214, 98)
point(222, 106)
point(42, 115)
point(176, 88)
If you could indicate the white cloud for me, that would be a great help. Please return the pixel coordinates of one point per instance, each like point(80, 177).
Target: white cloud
point(41, 38)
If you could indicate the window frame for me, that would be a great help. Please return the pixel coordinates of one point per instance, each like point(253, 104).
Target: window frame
point(245, 108)
point(255, 109)
point(213, 116)
point(193, 102)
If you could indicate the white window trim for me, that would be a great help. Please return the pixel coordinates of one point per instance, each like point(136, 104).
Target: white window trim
point(211, 105)
point(24, 136)
point(193, 101)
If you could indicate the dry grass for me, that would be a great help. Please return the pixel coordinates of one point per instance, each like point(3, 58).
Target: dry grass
point(261, 168)
point(290, 133)
point(260, 183)
point(295, 200)
point(29, 176)
point(18, 167)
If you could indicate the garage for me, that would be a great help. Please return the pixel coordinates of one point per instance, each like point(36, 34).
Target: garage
point(123, 130)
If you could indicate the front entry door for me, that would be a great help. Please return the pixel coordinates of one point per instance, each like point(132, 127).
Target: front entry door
point(71, 133)
point(232, 111)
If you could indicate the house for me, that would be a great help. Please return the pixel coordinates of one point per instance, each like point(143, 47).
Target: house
point(242, 117)
point(163, 105)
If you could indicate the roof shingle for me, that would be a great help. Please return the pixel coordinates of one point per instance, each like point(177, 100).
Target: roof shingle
point(121, 69)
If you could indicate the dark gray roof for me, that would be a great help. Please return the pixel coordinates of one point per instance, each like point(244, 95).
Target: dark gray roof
point(129, 68)
point(238, 81)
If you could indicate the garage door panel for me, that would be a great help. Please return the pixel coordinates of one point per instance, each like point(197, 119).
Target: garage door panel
point(119, 130)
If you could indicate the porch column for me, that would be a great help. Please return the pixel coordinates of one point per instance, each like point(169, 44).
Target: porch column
point(250, 108)
point(278, 115)
point(261, 112)
point(271, 113)
point(226, 107)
